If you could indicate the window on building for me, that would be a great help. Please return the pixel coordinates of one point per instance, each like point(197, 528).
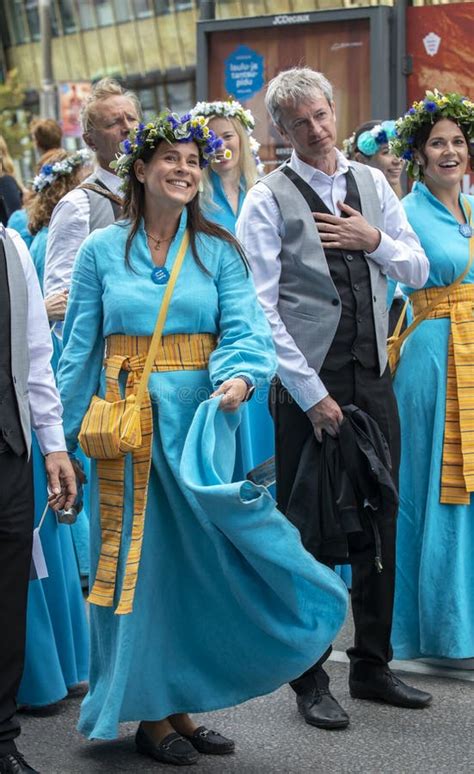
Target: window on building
point(180, 96)
point(31, 10)
point(123, 10)
point(161, 7)
point(143, 9)
point(16, 21)
point(68, 19)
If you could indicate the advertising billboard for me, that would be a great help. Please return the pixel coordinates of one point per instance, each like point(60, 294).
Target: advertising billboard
point(440, 43)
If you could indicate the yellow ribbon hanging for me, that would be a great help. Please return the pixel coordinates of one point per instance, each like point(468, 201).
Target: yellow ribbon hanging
point(178, 352)
point(457, 303)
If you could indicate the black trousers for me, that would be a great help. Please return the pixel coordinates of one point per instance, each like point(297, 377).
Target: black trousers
point(16, 531)
point(372, 592)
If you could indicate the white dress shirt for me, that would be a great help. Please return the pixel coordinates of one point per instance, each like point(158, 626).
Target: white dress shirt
point(260, 228)
point(68, 228)
point(45, 405)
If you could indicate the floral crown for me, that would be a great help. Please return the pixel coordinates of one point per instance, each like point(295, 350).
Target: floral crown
point(172, 128)
point(433, 107)
point(228, 109)
point(232, 109)
point(49, 173)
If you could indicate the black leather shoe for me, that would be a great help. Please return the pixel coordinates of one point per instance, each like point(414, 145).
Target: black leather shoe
point(320, 708)
point(173, 749)
point(14, 763)
point(210, 742)
point(388, 688)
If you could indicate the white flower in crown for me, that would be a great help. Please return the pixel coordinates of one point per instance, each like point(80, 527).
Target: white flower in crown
point(226, 109)
point(254, 145)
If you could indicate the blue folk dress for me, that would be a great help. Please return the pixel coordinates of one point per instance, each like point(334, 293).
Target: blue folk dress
point(80, 529)
point(18, 221)
point(255, 437)
point(228, 605)
point(434, 600)
point(57, 632)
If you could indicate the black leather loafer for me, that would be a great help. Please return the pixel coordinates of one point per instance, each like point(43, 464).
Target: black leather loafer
point(210, 742)
point(14, 763)
point(174, 749)
point(389, 689)
point(319, 708)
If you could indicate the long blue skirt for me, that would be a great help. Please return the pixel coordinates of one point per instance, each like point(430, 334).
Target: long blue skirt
point(228, 604)
point(57, 636)
point(434, 599)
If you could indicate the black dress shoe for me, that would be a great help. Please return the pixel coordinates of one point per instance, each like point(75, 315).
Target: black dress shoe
point(210, 742)
point(173, 749)
point(388, 688)
point(14, 763)
point(320, 708)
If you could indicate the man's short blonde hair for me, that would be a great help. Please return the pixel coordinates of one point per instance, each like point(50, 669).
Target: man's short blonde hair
point(102, 90)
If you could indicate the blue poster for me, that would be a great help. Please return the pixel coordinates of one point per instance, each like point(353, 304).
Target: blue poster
point(243, 70)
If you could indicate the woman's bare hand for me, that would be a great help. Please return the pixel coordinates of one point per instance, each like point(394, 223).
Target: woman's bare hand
point(56, 305)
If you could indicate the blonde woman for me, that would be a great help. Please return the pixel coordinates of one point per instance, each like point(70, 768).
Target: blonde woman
point(225, 184)
point(11, 195)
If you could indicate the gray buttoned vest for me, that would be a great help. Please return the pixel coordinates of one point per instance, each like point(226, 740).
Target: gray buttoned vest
point(308, 303)
point(102, 210)
point(20, 363)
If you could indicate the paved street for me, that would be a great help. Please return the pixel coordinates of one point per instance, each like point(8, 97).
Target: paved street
point(271, 738)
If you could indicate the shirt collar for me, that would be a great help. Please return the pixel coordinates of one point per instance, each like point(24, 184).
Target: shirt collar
point(309, 173)
point(113, 182)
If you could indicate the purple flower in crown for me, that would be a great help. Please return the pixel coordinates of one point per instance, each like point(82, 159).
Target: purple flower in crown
point(46, 169)
point(127, 146)
point(407, 155)
point(381, 138)
point(430, 106)
point(172, 120)
point(411, 112)
point(186, 117)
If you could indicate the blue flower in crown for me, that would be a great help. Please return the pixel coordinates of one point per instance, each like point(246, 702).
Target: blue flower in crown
point(430, 106)
point(49, 173)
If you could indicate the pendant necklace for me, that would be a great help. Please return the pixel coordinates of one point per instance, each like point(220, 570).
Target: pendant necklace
point(160, 274)
point(466, 230)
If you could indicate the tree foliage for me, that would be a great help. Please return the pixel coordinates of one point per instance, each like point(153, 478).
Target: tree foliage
point(14, 119)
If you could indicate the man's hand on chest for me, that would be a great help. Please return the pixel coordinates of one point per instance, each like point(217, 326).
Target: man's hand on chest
point(352, 232)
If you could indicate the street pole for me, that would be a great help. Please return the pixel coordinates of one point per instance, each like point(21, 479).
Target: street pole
point(48, 91)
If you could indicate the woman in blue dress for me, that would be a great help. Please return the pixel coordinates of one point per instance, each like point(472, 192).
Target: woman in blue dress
point(203, 596)
point(59, 174)
point(225, 183)
point(57, 647)
point(434, 604)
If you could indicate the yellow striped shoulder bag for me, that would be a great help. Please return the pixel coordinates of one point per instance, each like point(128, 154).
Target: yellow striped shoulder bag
point(111, 429)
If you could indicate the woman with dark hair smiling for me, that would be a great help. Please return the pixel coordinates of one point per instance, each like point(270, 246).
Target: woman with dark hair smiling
point(202, 594)
point(434, 384)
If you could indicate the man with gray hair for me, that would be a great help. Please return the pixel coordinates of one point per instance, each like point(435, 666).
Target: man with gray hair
point(107, 117)
point(321, 235)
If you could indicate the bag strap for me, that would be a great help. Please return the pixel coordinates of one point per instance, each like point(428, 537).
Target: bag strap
point(442, 296)
point(160, 323)
point(100, 189)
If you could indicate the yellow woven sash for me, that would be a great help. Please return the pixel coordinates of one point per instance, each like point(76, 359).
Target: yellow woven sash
point(457, 474)
point(179, 352)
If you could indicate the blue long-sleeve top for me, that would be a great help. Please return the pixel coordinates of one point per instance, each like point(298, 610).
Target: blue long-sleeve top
point(106, 297)
point(438, 231)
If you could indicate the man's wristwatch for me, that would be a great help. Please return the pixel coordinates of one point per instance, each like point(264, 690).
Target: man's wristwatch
point(250, 387)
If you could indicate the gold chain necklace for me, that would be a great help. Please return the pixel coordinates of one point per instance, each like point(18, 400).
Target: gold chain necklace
point(158, 242)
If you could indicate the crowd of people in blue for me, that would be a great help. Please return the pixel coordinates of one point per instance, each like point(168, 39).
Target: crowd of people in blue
point(270, 298)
